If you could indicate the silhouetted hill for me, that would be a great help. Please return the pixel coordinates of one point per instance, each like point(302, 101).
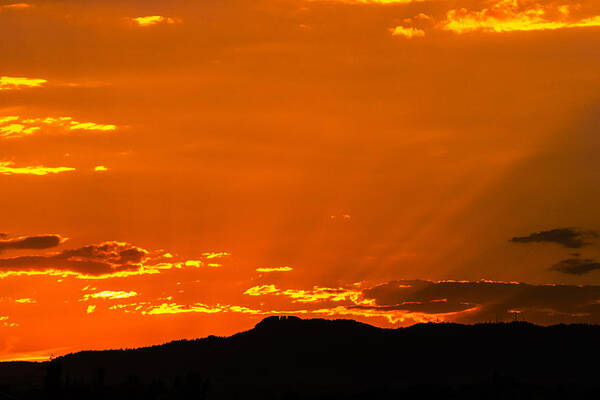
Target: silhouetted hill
point(296, 359)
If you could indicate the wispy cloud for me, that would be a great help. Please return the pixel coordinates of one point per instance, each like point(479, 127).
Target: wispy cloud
point(317, 294)
point(275, 269)
point(512, 15)
point(576, 266)
point(15, 6)
point(154, 20)
point(502, 16)
point(14, 127)
point(407, 32)
point(566, 237)
point(109, 295)
point(212, 255)
point(91, 126)
point(8, 168)
point(12, 83)
point(4, 322)
point(17, 130)
point(25, 300)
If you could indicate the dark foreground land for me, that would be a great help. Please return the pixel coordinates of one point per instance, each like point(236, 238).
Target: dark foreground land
point(290, 358)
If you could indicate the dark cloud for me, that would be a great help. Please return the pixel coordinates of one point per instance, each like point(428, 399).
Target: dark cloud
point(567, 237)
point(488, 301)
point(3, 235)
point(111, 252)
point(99, 259)
point(576, 266)
point(29, 242)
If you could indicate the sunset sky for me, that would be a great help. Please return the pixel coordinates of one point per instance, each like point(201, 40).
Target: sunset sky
point(175, 169)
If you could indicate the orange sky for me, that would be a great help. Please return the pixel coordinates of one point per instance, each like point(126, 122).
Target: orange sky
point(174, 169)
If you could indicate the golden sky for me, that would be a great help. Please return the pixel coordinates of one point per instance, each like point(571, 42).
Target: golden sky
point(174, 169)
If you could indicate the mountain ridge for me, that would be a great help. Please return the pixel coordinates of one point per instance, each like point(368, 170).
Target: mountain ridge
point(320, 357)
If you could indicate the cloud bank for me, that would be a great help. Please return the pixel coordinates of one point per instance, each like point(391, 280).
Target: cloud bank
point(36, 242)
point(566, 237)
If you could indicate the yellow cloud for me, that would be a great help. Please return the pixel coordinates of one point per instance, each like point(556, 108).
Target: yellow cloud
point(78, 275)
point(8, 118)
point(509, 16)
point(153, 20)
point(392, 316)
point(276, 269)
point(10, 83)
point(4, 322)
point(174, 308)
point(17, 130)
point(6, 168)
point(215, 255)
point(317, 294)
point(25, 300)
point(261, 290)
point(147, 308)
point(194, 263)
point(407, 32)
point(109, 295)
point(15, 127)
point(100, 168)
point(91, 126)
point(91, 309)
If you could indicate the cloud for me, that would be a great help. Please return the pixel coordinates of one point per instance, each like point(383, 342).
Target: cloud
point(91, 126)
point(109, 295)
point(174, 308)
point(488, 300)
point(37, 242)
point(567, 237)
point(25, 300)
point(407, 32)
point(154, 20)
point(512, 15)
point(96, 261)
point(15, 6)
point(317, 294)
point(100, 259)
point(502, 16)
point(8, 118)
point(275, 269)
point(100, 168)
point(6, 168)
point(148, 308)
point(14, 127)
point(17, 130)
point(576, 266)
point(14, 83)
point(211, 255)
point(5, 323)
point(407, 302)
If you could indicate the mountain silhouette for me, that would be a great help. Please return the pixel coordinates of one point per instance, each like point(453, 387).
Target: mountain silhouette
point(293, 358)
